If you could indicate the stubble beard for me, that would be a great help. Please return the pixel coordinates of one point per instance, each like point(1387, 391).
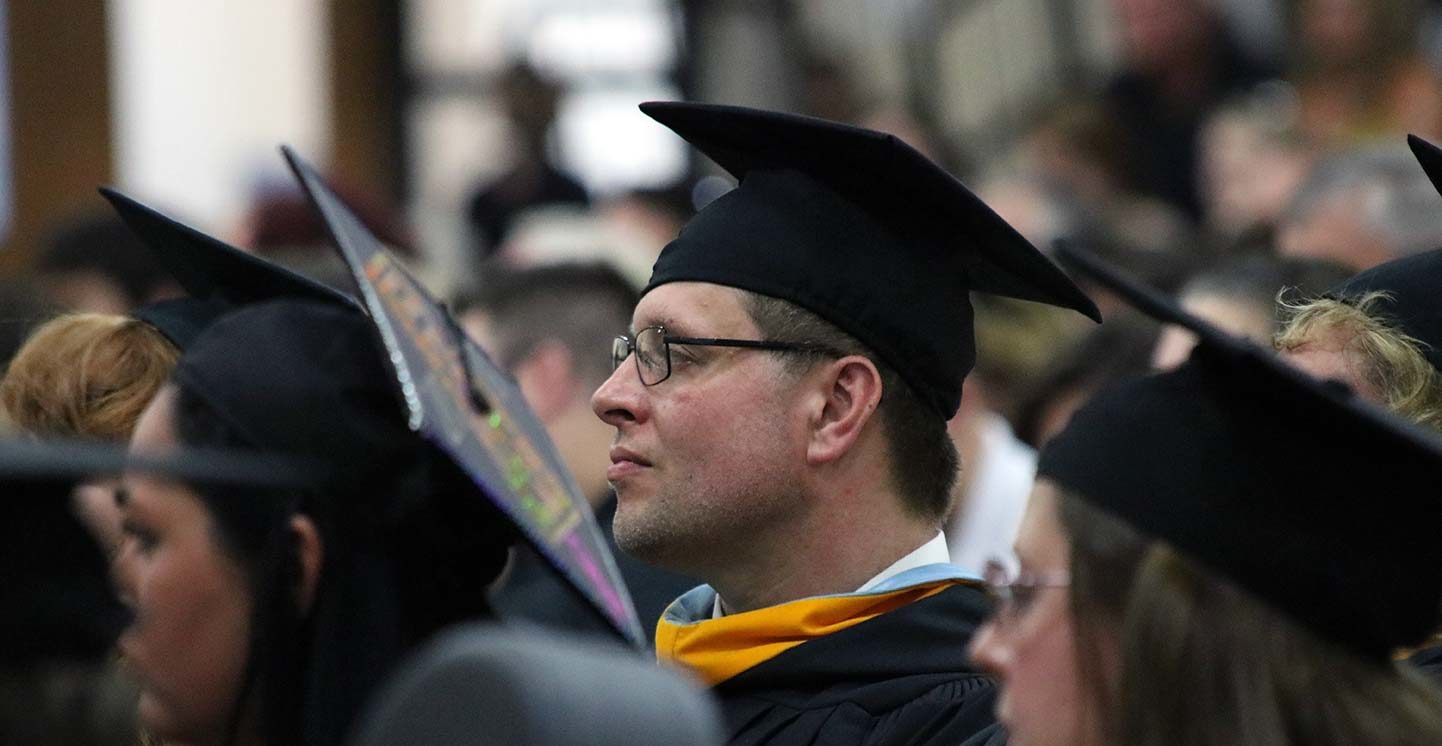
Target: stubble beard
point(695, 528)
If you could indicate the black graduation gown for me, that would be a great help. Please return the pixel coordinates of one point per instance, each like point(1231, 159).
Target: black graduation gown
point(901, 678)
point(534, 592)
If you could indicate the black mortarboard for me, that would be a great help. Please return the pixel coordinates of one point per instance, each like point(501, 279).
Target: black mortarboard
point(56, 599)
point(218, 277)
point(305, 378)
point(1430, 156)
point(1297, 490)
point(859, 228)
point(460, 401)
point(181, 320)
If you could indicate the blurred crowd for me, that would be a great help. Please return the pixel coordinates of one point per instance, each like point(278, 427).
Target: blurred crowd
point(1242, 183)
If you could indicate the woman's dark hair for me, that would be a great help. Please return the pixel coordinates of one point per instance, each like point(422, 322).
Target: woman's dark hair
point(250, 525)
point(1202, 662)
point(407, 549)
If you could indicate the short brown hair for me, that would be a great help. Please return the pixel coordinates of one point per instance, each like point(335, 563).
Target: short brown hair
point(924, 461)
point(86, 376)
point(1392, 361)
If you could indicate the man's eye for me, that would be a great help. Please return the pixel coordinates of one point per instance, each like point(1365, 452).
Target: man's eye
point(1022, 596)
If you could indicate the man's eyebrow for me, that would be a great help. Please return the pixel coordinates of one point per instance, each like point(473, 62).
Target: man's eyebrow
point(669, 323)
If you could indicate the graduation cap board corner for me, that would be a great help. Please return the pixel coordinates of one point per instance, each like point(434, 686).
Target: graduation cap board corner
point(454, 396)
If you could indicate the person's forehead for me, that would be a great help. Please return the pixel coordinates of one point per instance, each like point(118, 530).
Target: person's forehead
point(694, 309)
point(1040, 540)
point(154, 433)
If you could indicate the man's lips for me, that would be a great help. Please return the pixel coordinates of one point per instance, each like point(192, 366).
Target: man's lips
point(624, 462)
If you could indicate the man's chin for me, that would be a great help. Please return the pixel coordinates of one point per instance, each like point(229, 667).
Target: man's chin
point(644, 538)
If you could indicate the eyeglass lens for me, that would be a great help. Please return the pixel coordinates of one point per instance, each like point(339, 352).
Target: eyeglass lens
point(652, 358)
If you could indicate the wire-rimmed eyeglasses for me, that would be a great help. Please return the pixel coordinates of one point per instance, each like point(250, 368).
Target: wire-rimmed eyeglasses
point(1015, 595)
point(652, 347)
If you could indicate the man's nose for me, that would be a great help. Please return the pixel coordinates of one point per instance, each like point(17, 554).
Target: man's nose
point(619, 399)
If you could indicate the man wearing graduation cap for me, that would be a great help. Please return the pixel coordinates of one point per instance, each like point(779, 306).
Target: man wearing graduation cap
point(780, 405)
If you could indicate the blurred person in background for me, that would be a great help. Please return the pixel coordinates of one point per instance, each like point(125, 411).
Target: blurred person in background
point(1380, 333)
point(268, 616)
point(1077, 147)
point(1253, 158)
point(1083, 157)
point(1240, 296)
point(22, 308)
point(95, 264)
point(1016, 345)
point(87, 377)
point(280, 225)
point(544, 325)
point(529, 99)
point(1362, 207)
point(1179, 61)
point(1359, 71)
point(647, 218)
point(626, 231)
point(828, 87)
point(1119, 349)
point(1258, 601)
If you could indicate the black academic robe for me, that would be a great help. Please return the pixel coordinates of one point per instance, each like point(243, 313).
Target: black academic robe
point(900, 678)
point(534, 592)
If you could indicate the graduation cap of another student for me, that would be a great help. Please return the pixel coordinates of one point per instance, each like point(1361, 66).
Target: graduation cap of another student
point(1412, 284)
point(456, 398)
point(56, 599)
point(1317, 502)
point(216, 276)
point(859, 228)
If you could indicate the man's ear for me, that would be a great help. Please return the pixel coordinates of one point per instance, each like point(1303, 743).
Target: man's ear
point(850, 393)
point(547, 379)
point(310, 553)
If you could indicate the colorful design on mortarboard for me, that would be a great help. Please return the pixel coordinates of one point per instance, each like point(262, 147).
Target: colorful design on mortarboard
point(455, 397)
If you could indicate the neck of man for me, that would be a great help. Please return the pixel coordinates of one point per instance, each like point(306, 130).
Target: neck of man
point(844, 541)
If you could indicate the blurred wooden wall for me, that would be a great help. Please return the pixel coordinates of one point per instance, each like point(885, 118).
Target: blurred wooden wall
point(59, 116)
point(60, 109)
point(367, 96)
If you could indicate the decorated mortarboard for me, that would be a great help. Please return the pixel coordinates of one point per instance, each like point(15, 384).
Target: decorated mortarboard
point(859, 228)
point(1411, 285)
point(216, 276)
point(458, 399)
point(56, 599)
point(1312, 499)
